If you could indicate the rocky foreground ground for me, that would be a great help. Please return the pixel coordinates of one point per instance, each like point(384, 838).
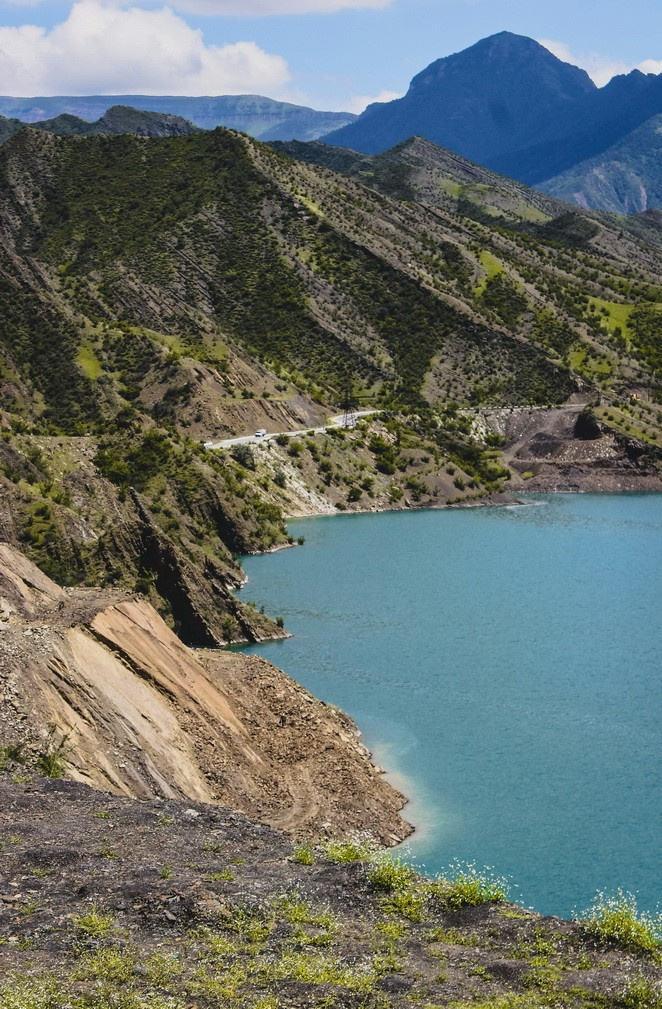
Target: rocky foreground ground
point(113, 903)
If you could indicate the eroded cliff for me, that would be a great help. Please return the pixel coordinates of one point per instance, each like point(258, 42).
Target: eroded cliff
point(96, 683)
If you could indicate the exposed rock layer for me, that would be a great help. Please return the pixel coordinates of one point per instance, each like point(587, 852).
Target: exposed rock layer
point(143, 715)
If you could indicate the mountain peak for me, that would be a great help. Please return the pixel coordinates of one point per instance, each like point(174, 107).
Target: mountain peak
point(503, 58)
point(487, 100)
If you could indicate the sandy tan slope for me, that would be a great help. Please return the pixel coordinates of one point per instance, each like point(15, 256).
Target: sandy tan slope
point(143, 715)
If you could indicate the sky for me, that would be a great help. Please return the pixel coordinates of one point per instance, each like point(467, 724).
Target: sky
point(330, 54)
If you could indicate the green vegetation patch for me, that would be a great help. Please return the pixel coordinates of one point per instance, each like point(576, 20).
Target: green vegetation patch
point(585, 361)
point(492, 267)
point(505, 298)
point(616, 919)
point(616, 314)
point(645, 326)
point(89, 362)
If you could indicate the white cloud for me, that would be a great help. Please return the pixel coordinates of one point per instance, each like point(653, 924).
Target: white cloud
point(600, 68)
point(102, 49)
point(650, 66)
point(361, 102)
point(260, 8)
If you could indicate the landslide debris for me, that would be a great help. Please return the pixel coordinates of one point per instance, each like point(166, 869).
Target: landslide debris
point(573, 449)
point(96, 687)
point(105, 901)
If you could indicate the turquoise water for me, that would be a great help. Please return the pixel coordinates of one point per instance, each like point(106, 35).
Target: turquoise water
point(505, 662)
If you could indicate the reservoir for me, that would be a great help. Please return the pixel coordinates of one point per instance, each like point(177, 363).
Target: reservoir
point(504, 664)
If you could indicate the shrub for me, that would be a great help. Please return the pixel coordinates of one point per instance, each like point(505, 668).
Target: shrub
point(230, 629)
point(295, 449)
point(467, 887)
point(11, 754)
point(243, 454)
point(616, 919)
point(389, 872)
point(51, 762)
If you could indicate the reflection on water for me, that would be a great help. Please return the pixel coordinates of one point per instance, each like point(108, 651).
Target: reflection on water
point(505, 663)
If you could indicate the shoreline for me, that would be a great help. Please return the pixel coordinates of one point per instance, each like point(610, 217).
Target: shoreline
point(507, 501)
point(417, 811)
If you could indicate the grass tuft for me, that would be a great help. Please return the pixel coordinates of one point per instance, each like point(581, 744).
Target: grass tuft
point(94, 924)
point(354, 849)
point(303, 855)
point(391, 872)
point(466, 886)
point(615, 919)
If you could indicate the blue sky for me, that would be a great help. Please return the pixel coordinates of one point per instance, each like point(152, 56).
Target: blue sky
point(327, 53)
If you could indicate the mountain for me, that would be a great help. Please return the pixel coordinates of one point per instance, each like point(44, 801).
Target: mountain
point(488, 100)
point(624, 178)
point(118, 119)
point(420, 171)
point(602, 119)
point(260, 117)
point(510, 105)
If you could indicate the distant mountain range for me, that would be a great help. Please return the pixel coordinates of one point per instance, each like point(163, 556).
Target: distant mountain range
point(260, 117)
point(509, 104)
point(625, 178)
point(118, 119)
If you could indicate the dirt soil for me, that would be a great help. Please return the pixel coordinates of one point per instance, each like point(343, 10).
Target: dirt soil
point(546, 454)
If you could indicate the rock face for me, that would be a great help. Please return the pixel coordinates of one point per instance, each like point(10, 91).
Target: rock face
point(97, 678)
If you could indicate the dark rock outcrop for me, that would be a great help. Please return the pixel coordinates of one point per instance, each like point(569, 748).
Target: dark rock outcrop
point(587, 427)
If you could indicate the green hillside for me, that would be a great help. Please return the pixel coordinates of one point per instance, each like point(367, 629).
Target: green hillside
point(157, 293)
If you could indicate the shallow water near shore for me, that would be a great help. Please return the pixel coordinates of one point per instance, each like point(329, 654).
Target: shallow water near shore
point(506, 663)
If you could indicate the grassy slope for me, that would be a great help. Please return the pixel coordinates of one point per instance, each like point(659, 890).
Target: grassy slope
point(566, 262)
